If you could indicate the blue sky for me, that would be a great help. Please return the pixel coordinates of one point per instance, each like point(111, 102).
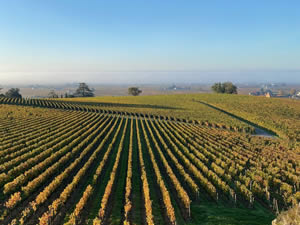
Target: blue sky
point(105, 41)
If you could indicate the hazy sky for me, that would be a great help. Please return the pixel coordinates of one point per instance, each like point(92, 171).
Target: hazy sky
point(148, 40)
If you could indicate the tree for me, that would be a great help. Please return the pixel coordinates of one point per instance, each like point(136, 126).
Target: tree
point(230, 88)
point(13, 93)
point(135, 91)
point(84, 91)
point(226, 87)
point(52, 94)
point(218, 88)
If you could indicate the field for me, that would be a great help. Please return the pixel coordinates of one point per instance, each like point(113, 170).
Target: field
point(167, 160)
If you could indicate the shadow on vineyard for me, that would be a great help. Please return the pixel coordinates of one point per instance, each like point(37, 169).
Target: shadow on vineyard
point(259, 131)
point(218, 214)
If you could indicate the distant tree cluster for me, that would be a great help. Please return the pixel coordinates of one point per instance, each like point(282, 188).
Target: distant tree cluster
point(84, 91)
point(227, 88)
point(52, 94)
point(135, 91)
point(12, 93)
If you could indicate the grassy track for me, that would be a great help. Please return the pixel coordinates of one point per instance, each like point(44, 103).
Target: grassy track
point(137, 201)
point(98, 194)
point(154, 191)
point(117, 203)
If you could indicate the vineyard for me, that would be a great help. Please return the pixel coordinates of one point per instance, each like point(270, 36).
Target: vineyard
point(87, 163)
point(143, 111)
point(280, 116)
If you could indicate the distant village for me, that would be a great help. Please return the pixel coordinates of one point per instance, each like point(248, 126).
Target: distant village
point(276, 91)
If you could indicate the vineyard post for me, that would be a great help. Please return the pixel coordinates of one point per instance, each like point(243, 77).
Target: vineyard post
point(234, 198)
point(267, 194)
point(275, 205)
point(251, 200)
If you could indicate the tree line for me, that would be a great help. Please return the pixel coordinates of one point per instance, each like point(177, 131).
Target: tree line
point(82, 91)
